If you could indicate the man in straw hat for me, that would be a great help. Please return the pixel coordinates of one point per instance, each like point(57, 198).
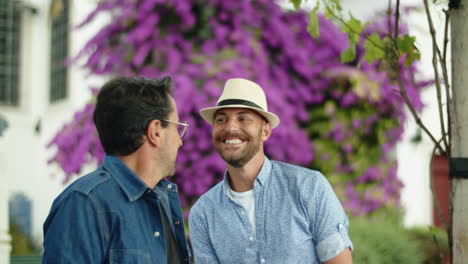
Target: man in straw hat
point(263, 211)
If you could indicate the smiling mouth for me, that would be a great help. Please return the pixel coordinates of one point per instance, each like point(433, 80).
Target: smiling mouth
point(233, 141)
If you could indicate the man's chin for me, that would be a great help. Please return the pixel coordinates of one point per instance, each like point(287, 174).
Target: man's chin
point(171, 173)
point(235, 162)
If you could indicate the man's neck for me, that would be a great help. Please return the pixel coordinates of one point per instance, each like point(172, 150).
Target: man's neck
point(145, 169)
point(242, 179)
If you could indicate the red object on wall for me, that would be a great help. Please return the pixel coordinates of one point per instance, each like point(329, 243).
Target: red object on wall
point(441, 188)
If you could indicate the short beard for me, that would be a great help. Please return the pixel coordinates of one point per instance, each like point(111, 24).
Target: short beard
point(252, 148)
point(238, 162)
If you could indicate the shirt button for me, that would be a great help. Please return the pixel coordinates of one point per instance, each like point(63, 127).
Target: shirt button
point(156, 234)
point(169, 186)
point(251, 238)
point(242, 212)
point(176, 222)
point(262, 260)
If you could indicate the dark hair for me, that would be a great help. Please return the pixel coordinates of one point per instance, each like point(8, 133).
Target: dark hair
point(124, 108)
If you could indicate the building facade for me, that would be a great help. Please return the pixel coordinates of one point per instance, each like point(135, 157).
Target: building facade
point(38, 95)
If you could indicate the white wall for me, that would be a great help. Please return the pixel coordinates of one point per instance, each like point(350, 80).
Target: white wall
point(4, 237)
point(23, 151)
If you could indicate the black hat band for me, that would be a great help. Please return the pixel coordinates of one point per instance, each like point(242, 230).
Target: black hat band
point(238, 102)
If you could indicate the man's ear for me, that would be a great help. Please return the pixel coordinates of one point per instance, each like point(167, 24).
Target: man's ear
point(266, 131)
point(153, 132)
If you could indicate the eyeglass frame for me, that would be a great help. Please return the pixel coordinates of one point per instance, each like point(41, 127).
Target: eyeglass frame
point(184, 124)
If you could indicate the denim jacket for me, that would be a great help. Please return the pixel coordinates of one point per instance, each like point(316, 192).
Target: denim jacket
point(111, 216)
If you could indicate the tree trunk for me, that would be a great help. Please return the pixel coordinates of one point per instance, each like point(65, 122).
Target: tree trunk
point(459, 128)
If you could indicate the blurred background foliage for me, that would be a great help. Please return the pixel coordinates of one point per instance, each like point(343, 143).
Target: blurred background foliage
point(382, 239)
point(22, 244)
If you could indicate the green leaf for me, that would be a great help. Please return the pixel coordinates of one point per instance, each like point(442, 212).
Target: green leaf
point(228, 53)
point(374, 48)
point(296, 3)
point(313, 27)
point(335, 4)
point(128, 56)
point(330, 107)
point(406, 46)
point(348, 55)
point(198, 59)
point(353, 27)
point(406, 43)
point(329, 13)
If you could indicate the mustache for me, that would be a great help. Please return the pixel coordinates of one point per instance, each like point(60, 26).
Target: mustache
point(225, 135)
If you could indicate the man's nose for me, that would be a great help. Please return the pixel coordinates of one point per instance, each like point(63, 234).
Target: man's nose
point(232, 125)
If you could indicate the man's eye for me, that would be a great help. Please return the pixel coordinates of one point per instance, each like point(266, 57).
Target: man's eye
point(219, 120)
point(244, 119)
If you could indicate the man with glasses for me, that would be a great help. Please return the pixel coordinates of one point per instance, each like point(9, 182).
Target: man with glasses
point(125, 211)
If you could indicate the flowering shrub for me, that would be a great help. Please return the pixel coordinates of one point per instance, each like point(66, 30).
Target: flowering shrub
point(339, 118)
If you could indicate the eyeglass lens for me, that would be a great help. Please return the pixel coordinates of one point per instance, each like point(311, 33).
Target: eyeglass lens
point(182, 130)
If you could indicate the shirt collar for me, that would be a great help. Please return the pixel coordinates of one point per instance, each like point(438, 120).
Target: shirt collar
point(128, 181)
point(264, 173)
point(261, 178)
point(166, 185)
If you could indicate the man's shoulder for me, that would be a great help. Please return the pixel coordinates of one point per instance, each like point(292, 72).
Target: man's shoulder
point(294, 170)
point(86, 184)
point(78, 192)
point(297, 177)
point(89, 182)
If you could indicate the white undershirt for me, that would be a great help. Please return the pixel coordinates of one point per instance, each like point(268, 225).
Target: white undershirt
point(246, 200)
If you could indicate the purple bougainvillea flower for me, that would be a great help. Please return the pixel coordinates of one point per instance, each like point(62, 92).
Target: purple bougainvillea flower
point(327, 123)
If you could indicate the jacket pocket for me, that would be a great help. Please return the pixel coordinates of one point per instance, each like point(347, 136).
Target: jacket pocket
point(129, 256)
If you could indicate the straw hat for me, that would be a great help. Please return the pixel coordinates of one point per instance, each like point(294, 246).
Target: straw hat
point(241, 93)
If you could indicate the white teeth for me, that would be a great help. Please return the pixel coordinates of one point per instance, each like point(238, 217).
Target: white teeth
point(233, 141)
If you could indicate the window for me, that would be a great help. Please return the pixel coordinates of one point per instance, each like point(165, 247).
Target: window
point(10, 21)
point(59, 51)
point(20, 208)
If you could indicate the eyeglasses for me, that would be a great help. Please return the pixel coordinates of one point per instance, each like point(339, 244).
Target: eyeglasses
point(181, 127)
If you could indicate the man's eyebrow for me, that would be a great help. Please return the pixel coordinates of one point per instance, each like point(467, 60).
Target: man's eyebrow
point(237, 113)
point(217, 114)
point(244, 112)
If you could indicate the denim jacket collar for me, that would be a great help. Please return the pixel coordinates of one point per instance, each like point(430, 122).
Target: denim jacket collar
point(167, 185)
point(128, 181)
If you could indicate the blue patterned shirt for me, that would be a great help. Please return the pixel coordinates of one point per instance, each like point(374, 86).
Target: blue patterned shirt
point(298, 219)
